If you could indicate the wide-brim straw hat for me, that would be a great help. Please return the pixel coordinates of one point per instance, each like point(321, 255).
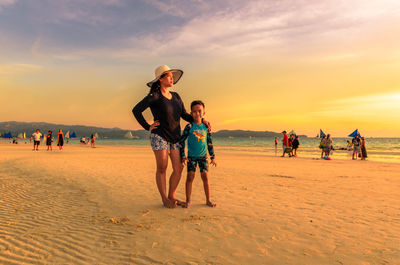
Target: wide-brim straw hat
point(176, 73)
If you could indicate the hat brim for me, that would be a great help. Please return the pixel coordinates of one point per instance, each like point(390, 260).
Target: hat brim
point(176, 73)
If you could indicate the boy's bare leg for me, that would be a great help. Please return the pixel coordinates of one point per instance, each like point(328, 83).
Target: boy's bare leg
point(189, 183)
point(175, 176)
point(162, 163)
point(204, 177)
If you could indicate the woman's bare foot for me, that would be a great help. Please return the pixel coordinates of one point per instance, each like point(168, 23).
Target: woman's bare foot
point(177, 202)
point(209, 203)
point(186, 205)
point(169, 204)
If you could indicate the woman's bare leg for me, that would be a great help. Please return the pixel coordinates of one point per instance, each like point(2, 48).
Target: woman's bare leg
point(162, 163)
point(176, 174)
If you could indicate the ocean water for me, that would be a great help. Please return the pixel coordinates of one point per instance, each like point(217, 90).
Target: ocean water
point(378, 149)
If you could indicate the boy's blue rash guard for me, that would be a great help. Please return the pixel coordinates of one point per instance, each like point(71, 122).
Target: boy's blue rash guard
point(167, 111)
point(199, 141)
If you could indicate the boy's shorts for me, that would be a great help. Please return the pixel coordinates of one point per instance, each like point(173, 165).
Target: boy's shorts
point(159, 143)
point(193, 161)
point(36, 142)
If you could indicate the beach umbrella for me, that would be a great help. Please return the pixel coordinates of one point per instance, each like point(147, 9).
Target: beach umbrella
point(356, 132)
point(73, 135)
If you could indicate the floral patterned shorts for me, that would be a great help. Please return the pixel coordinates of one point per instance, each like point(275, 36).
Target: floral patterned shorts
point(159, 143)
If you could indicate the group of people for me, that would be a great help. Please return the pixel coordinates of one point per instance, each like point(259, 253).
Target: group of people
point(357, 145)
point(37, 136)
point(92, 140)
point(166, 140)
point(290, 144)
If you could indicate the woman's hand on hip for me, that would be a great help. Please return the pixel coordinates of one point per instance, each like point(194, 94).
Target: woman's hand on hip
point(154, 125)
point(208, 125)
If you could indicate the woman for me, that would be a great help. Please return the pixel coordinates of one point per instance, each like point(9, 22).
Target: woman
point(60, 139)
point(92, 139)
point(167, 109)
point(328, 146)
point(363, 149)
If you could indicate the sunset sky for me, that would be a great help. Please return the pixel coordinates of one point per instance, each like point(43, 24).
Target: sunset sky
point(258, 65)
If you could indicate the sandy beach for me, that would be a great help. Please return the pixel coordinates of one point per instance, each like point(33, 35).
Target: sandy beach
point(101, 206)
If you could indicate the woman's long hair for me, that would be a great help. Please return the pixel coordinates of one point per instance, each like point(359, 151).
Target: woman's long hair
point(156, 86)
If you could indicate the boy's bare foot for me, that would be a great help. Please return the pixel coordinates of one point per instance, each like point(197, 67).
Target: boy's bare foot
point(209, 203)
point(169, 204)
point(186, 205)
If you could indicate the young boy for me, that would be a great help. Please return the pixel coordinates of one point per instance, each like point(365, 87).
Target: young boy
point(199, 141)
point(36, 140)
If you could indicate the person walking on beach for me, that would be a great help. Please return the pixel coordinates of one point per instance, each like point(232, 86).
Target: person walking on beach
point(322, 146)
point(49, 140)
point(295, 144)
point(36, 139)
point(356, 146)
point(328, 146)
point(60, 139)
point(199, 141)
point(285, 143)
point(92, 138)
point(363, 149)
point(167, 108)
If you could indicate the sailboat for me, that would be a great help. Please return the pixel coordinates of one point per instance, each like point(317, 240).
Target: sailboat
point(96, 135)
point(321, 134)
point(356, 132)
point(73, 135)
point(24, 135)
point(8, 135)
point(20, 136)
point(129, 135)
point(67, 135)
point(292, 132)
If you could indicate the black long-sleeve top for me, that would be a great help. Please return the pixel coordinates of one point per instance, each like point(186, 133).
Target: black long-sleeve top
point(167, 111)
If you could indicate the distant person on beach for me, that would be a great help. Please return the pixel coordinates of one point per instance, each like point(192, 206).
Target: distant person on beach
point(349, 146)
point(291, 139)
point(295, 144)
point(36, 140)
point(285, 143)
point(322, 146)
point(276, 142)
point(165, 132)
point(60, 139)
point(92, 139)
point(356, 146)
point(363, 149)
point(199, 141)
point(49, 140)
point(328, 146)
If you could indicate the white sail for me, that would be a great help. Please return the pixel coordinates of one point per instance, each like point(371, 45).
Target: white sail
point(128, 135)
point(20, 136)
point(96, 135)
point(67, 135)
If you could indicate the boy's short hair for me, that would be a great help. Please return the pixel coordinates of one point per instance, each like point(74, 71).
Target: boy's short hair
point(197, 102)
